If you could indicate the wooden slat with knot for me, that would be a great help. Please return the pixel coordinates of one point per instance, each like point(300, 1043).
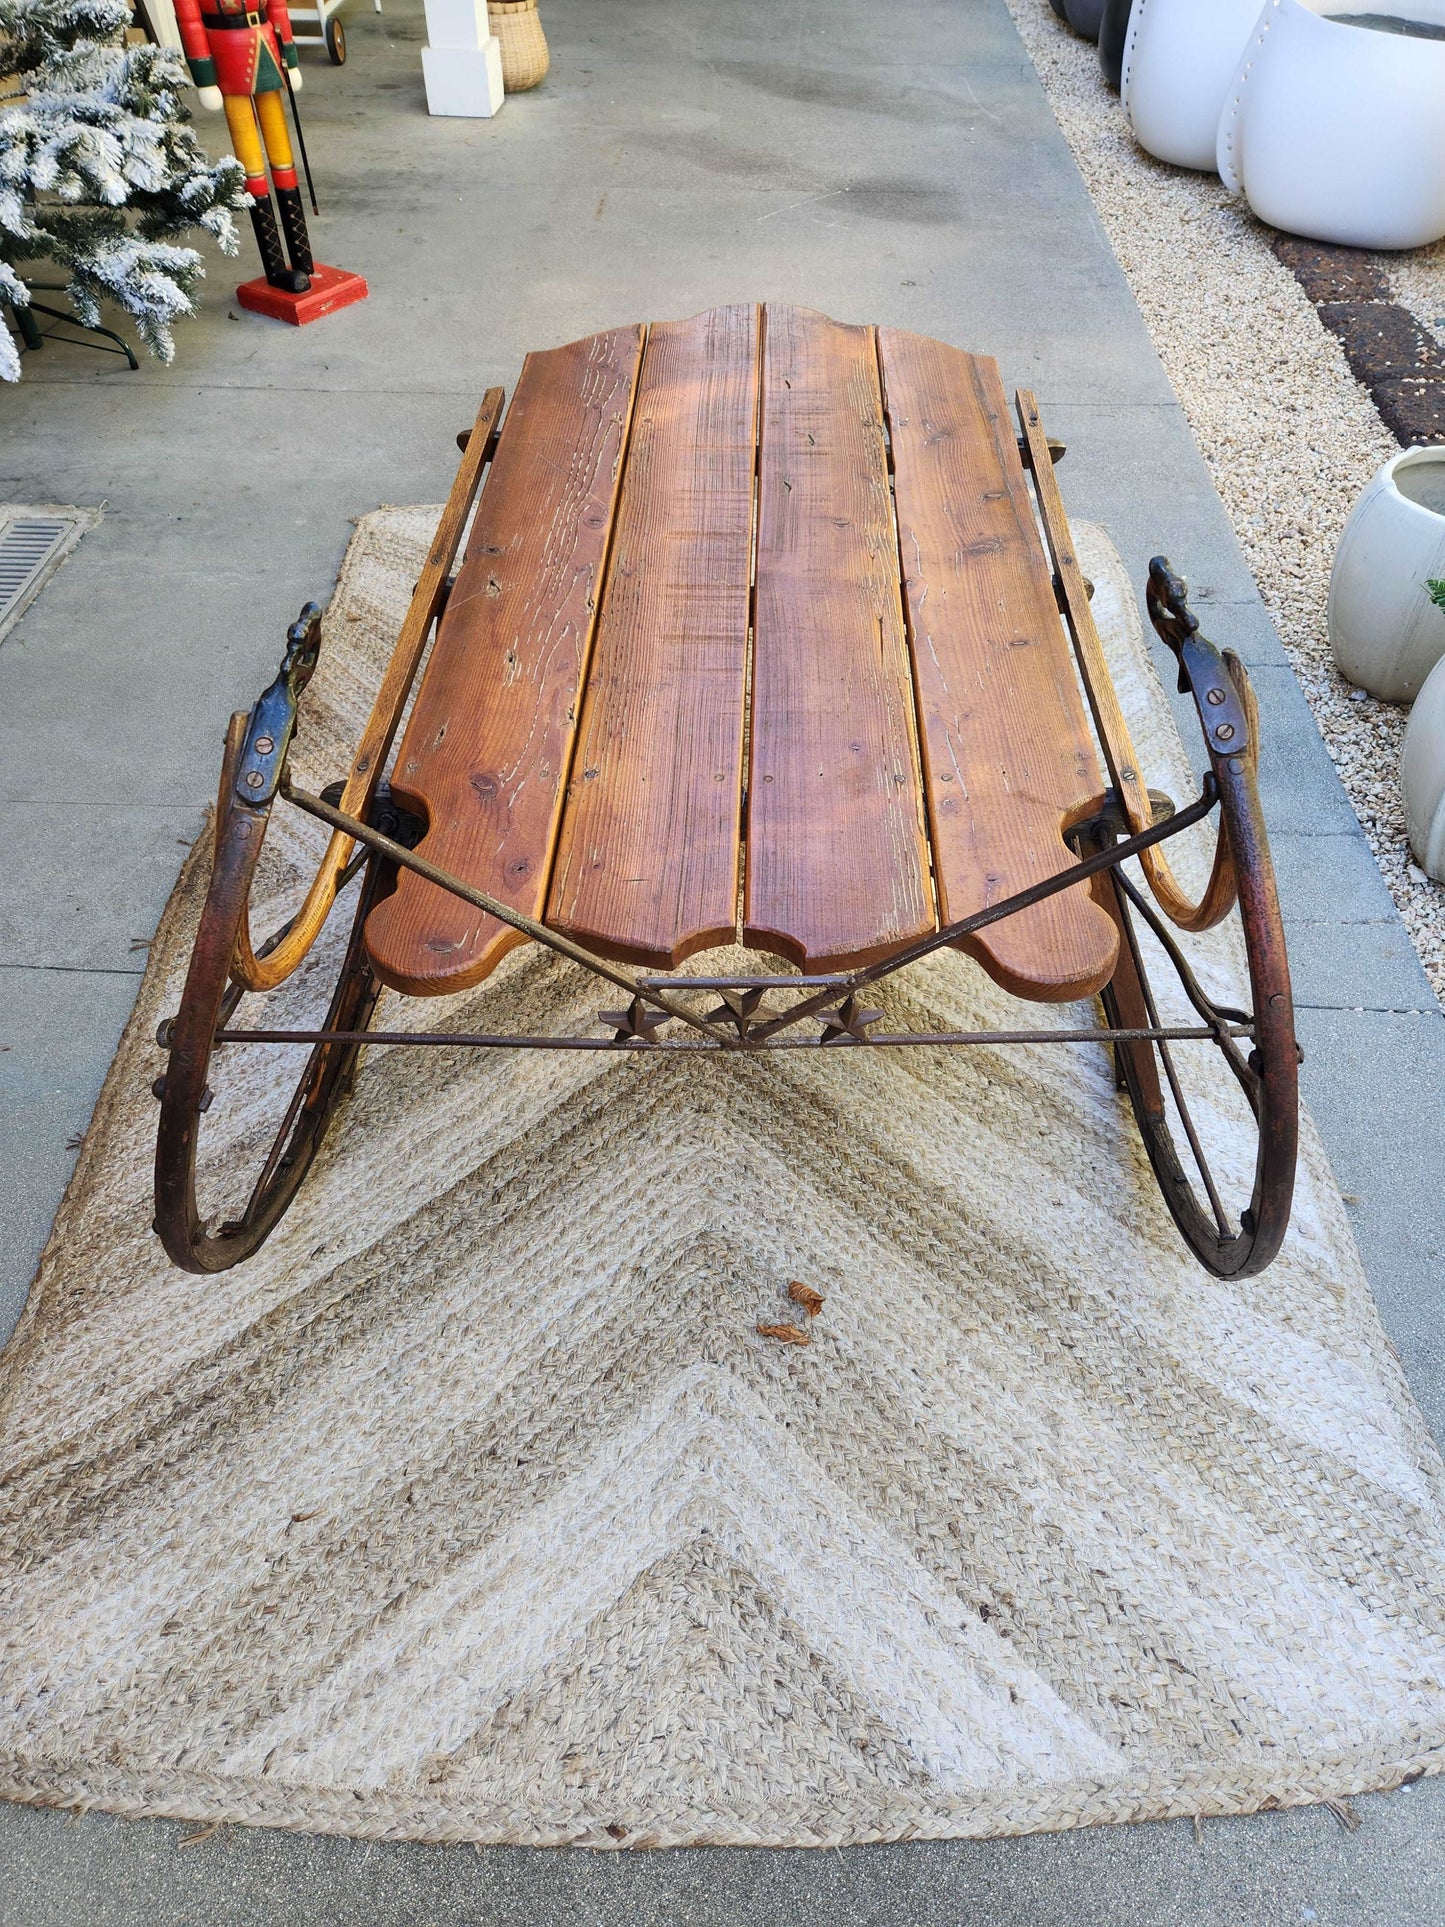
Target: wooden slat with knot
point(918, 744)
point(648, 859)
point(1007, 756)
point(837, 861)
point(485, 755)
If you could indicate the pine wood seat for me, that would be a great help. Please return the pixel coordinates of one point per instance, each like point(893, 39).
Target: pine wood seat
point(767, 628)
point(754, 630)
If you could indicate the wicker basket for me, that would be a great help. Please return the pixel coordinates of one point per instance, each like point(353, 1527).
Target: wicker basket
point(525, 58)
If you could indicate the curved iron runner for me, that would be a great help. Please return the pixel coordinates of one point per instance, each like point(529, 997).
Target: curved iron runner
point(1227, 1245)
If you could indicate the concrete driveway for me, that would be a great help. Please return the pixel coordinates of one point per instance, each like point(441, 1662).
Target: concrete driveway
point(881, 162)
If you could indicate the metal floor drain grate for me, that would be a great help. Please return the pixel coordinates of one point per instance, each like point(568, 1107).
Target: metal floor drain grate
point(33, 543)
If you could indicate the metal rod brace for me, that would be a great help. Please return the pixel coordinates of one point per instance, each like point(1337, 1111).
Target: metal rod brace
point(642, 989)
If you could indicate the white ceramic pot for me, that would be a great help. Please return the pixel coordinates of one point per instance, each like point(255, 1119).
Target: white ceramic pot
point(1385, 632)
point(1337, 131)
point(1180, 59)
point(1422, 775)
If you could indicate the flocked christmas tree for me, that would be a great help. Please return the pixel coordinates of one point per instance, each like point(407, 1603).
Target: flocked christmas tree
point(101, 171)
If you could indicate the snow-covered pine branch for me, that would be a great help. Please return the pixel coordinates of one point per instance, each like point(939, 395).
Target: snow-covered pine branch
point(101, 172)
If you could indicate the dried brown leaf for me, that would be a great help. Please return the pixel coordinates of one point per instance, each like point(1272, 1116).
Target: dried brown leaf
point(785, 1334)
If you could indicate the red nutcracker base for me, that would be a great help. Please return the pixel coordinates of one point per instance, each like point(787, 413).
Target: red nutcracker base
point(331, 288)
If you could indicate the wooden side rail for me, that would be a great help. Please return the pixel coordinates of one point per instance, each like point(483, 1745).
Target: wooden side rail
point(1221, 891)
point(265, 973)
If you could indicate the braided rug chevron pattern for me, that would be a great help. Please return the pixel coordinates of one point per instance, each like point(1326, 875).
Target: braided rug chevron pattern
point(477, 1507)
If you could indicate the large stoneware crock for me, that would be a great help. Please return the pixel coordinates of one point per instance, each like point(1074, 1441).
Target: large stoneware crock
point(1180, 58)
point(1385, 632)
point(1335, 125)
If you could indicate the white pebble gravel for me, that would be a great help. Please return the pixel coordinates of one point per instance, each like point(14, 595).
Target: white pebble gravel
point(1290, 437)
point(1417, 282)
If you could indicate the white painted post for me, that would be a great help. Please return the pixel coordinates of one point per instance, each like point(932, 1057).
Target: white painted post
point(462, 66)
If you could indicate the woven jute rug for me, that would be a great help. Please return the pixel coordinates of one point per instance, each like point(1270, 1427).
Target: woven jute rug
point(477, 1507)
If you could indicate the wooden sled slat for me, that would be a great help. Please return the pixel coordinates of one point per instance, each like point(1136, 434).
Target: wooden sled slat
point(648, 856)
point(837, 865)
point(1008, 761)
point(666, 518)
point(485, 754)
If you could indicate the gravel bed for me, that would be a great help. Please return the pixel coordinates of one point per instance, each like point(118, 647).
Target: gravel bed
point(1290, 437)
point(1418, 281)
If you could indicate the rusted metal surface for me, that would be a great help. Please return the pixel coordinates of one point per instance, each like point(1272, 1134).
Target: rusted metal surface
point(368, 764)
point(833, 987)
point(1110, 722)
point(634, 1025)
point(722, 1015)
point(744, 1021)
point(1080, 872)
point(206, 1004)
point(406, 859)
point(1269, 1076)
point(272, 721)
point(484, 1040)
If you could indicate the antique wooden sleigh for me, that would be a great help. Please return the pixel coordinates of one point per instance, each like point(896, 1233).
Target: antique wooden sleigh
point(756, 632)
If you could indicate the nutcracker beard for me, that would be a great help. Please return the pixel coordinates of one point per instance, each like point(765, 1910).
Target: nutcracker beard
point(253, 120)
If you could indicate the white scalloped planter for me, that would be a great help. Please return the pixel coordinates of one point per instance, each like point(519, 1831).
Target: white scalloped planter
point(1336, 131)
point(1180, 60)
point(1422, 775)
point(1385, 632)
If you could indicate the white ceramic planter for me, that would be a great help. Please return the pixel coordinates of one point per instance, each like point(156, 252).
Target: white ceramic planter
point(1422, 775)
point(1337, 132)
point(1180, 60)
point(1385, 632)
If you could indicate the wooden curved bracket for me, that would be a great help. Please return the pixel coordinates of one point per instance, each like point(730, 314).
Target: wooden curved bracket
point(266, 973)
point(1219, 684)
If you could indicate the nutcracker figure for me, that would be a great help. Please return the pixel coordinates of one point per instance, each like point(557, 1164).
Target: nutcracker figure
point(235, 50)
